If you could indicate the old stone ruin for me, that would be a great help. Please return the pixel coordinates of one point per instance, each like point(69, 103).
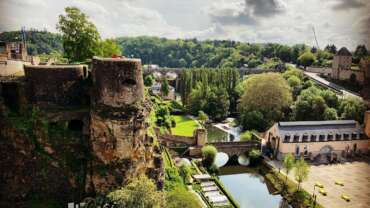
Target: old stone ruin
point(68, 133)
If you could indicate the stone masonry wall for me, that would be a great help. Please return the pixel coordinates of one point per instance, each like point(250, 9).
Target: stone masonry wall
point(61, 85)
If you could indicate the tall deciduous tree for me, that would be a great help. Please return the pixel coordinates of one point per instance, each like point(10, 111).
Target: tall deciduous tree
point(109, 48)
point(288, 164)
point(165, 88)
point(80, 36)
point(352, 108)
point(301, 171)
point(268, 93)
point(306, 59)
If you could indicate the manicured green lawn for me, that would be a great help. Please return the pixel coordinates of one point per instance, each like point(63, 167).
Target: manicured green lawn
point(185, 126)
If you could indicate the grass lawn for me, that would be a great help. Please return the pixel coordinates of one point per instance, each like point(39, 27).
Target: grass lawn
point(185, 126)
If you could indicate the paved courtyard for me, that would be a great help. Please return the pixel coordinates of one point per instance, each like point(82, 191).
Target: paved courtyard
point(354, 175)
point(356, 179)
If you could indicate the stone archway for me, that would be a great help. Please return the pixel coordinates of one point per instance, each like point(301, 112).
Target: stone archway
point(326, 150)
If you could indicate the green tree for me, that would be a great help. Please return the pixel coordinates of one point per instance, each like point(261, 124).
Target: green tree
point(294, 81)
point(331, 99)
point(352, 108)
point(331, 49)
point(360, 52)
point(209, 155)
point(253, 120)
point(182, 198)
point(309, 105)
point(149, 80)
point(306, 59)
point(202, 117)
point(288, 164)
point(140, 192)
point(268, 93)
point(330, 114)
point(217, 105)
point(109, 48)
point(284, 53)
point(165, 88)
point(246, 136)
point(80, 36)
point(301, 171)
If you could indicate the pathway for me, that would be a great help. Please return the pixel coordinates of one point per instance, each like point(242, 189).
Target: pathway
point(317, 78)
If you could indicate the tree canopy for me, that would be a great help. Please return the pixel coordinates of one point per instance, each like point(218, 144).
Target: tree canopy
point(80, 36)
point(268, 94)
point(140, 192)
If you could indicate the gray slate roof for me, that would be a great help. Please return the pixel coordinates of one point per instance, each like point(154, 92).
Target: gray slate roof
point(343, 52)
point(318, 127)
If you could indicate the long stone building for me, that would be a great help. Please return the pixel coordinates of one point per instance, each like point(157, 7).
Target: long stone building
point(314, 138)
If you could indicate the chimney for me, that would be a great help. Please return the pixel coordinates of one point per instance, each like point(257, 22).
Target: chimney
point(367, 123)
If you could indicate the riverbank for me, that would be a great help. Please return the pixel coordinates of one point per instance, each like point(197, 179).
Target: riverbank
point(298, 199)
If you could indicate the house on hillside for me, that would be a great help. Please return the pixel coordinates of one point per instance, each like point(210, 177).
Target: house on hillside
point(156, 90)
point(342, 67)
point(313, 139)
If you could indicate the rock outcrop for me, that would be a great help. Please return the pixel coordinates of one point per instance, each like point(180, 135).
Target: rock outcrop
point(118, 123)
point(72, 148)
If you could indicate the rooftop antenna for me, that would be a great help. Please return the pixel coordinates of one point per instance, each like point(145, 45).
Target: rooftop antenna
point(314, 34)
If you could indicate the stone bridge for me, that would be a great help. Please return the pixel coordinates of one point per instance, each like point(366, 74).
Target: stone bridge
point(230, 148)
point(199, 139)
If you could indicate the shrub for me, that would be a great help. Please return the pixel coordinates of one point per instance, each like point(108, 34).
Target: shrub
point(140, 192)
point(246, 136)
point(209, 155)
point(181, 198)
point(255, 157)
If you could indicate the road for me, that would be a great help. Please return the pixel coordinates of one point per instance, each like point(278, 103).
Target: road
point(322, 81)
point(11, 68)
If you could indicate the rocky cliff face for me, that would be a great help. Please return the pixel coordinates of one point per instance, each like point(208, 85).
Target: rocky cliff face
point(39, 161)
point(118, 123)
point(43, 155)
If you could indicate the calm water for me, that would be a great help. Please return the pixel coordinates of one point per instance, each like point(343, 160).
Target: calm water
point(249, 189)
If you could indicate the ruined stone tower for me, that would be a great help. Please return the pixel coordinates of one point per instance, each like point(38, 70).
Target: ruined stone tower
point(118, 130)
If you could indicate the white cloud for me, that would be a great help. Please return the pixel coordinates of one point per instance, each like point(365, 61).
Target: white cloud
point(285, 21)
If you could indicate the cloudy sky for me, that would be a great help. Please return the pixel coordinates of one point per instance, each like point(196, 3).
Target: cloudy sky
point(342, 22)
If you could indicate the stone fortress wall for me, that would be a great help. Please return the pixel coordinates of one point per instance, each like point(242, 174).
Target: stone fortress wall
point(55, 85)
point(107, 105)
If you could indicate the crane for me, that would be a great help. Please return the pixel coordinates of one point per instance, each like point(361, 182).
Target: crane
point(314, 34)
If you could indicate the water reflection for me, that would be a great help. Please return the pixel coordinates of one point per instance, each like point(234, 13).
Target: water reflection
point(249, 189)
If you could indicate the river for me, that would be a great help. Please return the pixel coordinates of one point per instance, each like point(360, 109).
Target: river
point(248, 188)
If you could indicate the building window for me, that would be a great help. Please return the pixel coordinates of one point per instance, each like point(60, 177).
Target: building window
point(287, 139)
point(296, 138)
point(321, 138)
point(338, 137)
point(313, 138)
point(346, 137)
point(305, 150)
point(330, 137)
point(305, 138)
point(297, 150)
point(354, 135)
